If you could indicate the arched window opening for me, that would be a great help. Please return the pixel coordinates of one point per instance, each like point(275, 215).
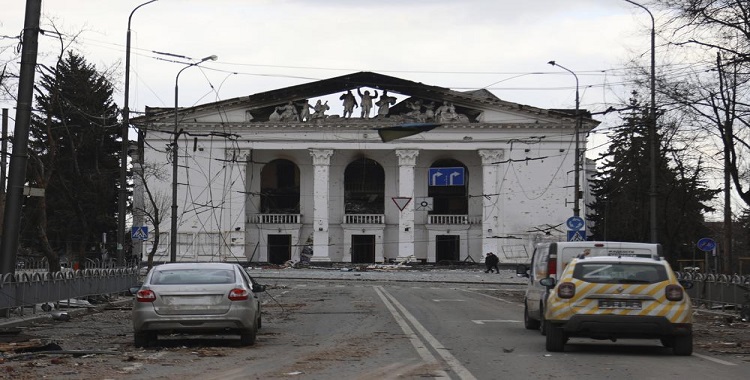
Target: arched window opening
point(279, 186)
point(364, 187)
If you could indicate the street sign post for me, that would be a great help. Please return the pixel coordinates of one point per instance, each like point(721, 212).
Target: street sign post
point(575, 223)
point(576, 230)
point(576, 235)
point(446, 176)
point(139, 233)
point(706, 244)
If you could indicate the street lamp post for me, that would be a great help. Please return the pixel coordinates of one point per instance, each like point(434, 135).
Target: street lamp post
point(173, 230)
point(121, 200)
point(577, 162)
point(653, 143)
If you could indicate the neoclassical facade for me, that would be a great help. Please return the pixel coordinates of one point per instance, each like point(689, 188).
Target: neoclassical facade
point(268, 177)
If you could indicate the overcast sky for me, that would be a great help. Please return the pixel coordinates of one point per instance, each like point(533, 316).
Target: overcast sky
point(503, 45)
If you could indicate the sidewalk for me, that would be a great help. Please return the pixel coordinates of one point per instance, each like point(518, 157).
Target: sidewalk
point(392, 273)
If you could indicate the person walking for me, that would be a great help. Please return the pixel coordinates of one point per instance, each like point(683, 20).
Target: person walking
point(491, 262)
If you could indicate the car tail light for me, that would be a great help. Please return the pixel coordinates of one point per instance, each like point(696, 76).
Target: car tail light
point(145, 296)
point(566, 290)
point(552, 266)
point(238, 294)
point(674, 292)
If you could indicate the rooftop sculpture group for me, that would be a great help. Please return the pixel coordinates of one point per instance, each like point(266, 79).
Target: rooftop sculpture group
point(418, 110)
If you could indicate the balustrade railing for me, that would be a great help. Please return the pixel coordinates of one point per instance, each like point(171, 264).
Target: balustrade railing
point(364, 218)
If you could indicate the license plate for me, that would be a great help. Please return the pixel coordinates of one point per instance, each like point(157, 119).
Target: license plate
point(190, 300)
point(619, 304)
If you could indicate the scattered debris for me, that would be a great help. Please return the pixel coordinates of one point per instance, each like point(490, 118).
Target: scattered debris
point(60, 316)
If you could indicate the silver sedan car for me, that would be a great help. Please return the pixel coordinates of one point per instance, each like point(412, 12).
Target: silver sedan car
point(197, 298)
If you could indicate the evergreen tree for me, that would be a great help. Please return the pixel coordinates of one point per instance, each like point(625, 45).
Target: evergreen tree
point(621, 189)
point(73, 155)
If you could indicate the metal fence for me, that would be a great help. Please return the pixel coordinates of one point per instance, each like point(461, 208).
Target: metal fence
point(718, 291)
point(33, 284)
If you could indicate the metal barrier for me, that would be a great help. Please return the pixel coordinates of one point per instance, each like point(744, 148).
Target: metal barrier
point(31, 286)
point(717, 291)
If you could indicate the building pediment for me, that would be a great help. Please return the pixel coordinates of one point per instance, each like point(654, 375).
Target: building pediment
point(418, 103)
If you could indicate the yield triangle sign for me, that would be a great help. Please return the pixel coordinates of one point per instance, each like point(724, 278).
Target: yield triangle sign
point(401, 202)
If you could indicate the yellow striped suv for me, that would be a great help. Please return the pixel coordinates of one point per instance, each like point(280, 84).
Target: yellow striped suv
point(611, 297)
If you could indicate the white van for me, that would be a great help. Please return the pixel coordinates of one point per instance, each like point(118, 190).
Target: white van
point(549, 260)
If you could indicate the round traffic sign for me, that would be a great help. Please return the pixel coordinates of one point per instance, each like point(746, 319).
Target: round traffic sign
point(706, 244)
point(575, 223)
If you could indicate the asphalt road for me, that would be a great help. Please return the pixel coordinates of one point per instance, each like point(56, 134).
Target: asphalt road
point(345, 325)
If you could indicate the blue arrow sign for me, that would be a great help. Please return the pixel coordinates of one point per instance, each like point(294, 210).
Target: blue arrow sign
point(446, 176)
point(706, 244)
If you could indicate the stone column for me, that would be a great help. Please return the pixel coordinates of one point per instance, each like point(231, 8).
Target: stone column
point(407, 159)
point(234, 209)
point(321, 165)
point(491, 202)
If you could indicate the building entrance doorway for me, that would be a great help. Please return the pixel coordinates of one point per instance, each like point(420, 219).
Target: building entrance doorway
point(448, 248)
point(279, 249)
point(363, 249)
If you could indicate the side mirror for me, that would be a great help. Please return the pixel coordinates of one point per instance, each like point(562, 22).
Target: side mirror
point(258, 288)
point(548, 282)
point(687, 284)
point(134, 290)
point(522, 270)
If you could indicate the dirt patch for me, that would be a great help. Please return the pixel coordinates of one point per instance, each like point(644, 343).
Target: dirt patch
point(721, 334)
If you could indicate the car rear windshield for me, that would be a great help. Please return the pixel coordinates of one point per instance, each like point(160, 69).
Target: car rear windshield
point(193, 276)
point(620, 273)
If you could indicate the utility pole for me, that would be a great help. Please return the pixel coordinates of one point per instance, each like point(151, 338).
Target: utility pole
point(577, 158)
point(121, 199)
point(3, 163)
point(175, 157)
point(17, 171)
point(653, 141)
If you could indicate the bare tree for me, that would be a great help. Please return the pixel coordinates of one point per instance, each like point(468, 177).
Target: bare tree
point(156, 205)
point(713, 91)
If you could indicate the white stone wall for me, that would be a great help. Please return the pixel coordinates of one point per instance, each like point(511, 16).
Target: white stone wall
point(224, 176)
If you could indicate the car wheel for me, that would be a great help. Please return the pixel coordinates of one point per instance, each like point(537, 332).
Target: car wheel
point(555, 338)
point(683, 345)
point(667, 342)
point(542, 320)
point(528, 322)
point(144, 339)
point(247, 337)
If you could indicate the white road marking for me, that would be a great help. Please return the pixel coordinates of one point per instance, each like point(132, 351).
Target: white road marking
point(494, 298)
point(447, 300)
point(713, 359)
point(483, 321)
point(449, 359)
point(419, 346)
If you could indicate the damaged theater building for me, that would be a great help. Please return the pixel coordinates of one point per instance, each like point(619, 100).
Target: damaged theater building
point(265, 177)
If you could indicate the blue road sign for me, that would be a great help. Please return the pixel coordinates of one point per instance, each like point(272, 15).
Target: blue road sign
point(446, 177)
point(575, 223)
point(139, 233)
point(706, 244)
point(578, 235)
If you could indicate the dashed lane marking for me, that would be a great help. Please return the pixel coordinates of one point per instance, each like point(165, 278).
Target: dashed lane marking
point(483, 321)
